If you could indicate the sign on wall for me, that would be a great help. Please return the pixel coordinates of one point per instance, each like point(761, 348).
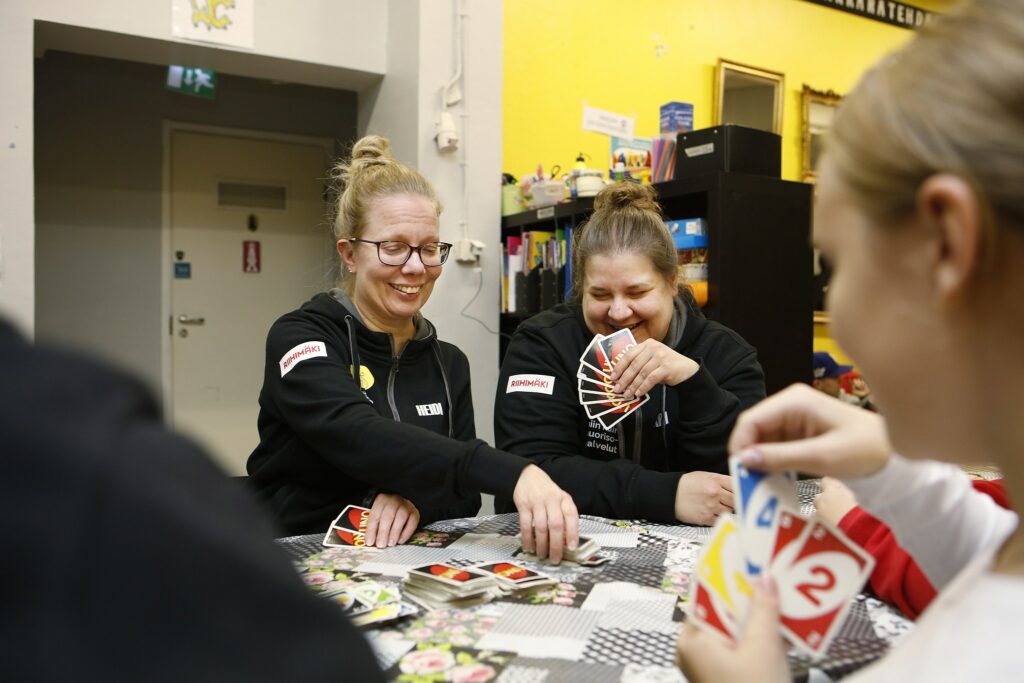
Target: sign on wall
point(192, 81)
point(225, 22)
point(888, 11)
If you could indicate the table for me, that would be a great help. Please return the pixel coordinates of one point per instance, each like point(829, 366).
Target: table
point(613, 623)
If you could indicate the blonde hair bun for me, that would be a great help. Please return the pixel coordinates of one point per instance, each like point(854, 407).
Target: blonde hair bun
point(367, 152)
point(626, 196)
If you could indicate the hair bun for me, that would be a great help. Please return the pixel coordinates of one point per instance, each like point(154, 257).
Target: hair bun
point(620, 196)
point(367, 152)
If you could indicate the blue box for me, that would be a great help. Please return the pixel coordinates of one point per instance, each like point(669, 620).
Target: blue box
point(676, 117)
point(688, 233)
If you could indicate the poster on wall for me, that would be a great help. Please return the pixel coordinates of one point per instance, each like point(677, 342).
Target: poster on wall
point(225, 22)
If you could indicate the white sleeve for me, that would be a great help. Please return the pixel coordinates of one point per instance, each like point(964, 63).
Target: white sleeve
point(935, 514)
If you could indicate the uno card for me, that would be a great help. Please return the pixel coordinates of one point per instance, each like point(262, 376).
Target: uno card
point(374, 594)
point(721, 568)
point(789, 528)
point(458, 577)
point(759, 496)
point(588, 373)
point(509, 573)
point(340, 536)
point(594, 358)
point(353, 517)
point(612, 417)
point(613, 346)
point(817, 586)
point(708, 613)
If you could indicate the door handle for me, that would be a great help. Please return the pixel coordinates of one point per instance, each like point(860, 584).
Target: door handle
point(185, 320)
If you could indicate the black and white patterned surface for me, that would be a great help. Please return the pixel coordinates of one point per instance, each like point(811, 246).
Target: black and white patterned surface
point(615, 622)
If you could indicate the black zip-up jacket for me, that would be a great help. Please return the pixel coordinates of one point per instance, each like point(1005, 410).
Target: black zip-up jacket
point(632, 471)
point(326, 442)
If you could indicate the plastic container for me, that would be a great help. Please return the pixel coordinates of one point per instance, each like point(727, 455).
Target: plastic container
point(547, 193)
point(512, 200)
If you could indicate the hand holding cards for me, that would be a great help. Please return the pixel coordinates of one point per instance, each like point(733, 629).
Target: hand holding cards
point(818, 570)
point(349, 528)
point(595, 386)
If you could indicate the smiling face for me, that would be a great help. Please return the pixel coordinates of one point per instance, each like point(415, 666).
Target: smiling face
point(389, 296)
point(624, 290)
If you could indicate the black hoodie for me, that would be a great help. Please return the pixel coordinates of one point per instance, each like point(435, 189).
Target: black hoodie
point(326, 442)
point(632, 471)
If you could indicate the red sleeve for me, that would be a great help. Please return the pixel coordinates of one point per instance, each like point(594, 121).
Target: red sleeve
point(897, 579)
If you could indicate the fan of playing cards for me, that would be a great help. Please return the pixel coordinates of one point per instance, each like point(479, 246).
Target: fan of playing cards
point(818, 570)
point(596, 388)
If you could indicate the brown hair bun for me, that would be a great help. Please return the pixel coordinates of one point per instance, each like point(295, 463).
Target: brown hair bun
point(626, 196)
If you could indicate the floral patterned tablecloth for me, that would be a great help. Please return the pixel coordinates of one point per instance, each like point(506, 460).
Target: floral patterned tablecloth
point(617, 622)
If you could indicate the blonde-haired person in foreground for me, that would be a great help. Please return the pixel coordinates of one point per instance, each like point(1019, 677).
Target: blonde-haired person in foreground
point(921, 196)
point(363, 404)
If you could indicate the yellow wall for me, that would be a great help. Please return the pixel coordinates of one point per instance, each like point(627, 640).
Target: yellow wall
point(560, 54)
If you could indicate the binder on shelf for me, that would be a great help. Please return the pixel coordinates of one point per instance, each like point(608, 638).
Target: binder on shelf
point(531, 292)
point(548, 288)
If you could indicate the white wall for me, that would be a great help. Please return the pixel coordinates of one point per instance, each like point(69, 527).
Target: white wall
point(317, 42)
point(420, 61)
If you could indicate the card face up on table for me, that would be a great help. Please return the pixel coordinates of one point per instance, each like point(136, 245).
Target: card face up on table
point(817, 569)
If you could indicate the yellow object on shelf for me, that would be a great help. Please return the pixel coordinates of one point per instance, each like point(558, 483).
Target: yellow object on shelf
point(699, 289)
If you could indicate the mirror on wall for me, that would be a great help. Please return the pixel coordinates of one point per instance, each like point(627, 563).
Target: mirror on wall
point(818, 110)
point(749, 96)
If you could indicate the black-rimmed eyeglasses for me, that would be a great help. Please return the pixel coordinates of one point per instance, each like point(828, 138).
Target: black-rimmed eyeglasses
point(395, 253)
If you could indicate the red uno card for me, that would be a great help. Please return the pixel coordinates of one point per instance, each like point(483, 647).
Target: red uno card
point(817, 586)
point(341, 536)
point(594, 358)
point(353, 517)
point(449, 575)
point(707, 611)
point(614, 345)
point(789, 527)
point(615, 415)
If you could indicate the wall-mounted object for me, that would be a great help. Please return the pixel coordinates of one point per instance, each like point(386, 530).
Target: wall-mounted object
point(818, 110)
point(749, 96)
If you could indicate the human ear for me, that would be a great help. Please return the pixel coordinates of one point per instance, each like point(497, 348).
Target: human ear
point(949, 207)
point(348, 259)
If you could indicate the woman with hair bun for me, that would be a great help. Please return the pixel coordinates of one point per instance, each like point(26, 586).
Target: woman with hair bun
point(666, 461)
point(362, 403)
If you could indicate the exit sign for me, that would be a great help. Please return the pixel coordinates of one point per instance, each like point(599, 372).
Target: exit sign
point(192, 81)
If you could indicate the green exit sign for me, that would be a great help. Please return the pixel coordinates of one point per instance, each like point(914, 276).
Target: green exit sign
point(192, 81)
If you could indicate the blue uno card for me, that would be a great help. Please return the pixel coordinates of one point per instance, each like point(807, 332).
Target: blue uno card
point(759, 496)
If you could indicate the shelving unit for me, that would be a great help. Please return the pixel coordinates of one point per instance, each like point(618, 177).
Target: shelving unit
point(759, 260)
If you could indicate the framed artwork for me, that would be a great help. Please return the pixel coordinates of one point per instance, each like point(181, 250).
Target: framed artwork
point(749, 96)
point(818, 110)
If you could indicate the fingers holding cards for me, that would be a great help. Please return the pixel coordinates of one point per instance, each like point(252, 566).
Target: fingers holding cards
point(596, 389)
point(817, 569)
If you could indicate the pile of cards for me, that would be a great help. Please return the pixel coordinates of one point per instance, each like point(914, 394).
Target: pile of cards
point(817, 569)
point(596, 388)
point(585, 554)
point(348, 528)
point(437, 586)
point(512, 577)
point(369, 602)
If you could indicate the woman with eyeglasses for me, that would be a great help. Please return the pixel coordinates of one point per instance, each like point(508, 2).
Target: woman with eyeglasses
point(362, 403)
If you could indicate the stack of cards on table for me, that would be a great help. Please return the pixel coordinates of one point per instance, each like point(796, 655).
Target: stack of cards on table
point(817, 569)
point(512, 577)
point(596, 388)
point(349, 528)
point(585, 554)
point(437, 586)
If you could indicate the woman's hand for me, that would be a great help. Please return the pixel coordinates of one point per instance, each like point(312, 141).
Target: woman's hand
point(702, 496)
point(392, 520)
point(802, 429)
point(834, 501)
point(648, 364)
point(758, 655)
point(548, 519)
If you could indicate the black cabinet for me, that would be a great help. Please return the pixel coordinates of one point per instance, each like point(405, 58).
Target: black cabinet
point(759, 260)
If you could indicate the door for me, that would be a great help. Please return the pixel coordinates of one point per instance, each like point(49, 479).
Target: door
point(249, 242)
